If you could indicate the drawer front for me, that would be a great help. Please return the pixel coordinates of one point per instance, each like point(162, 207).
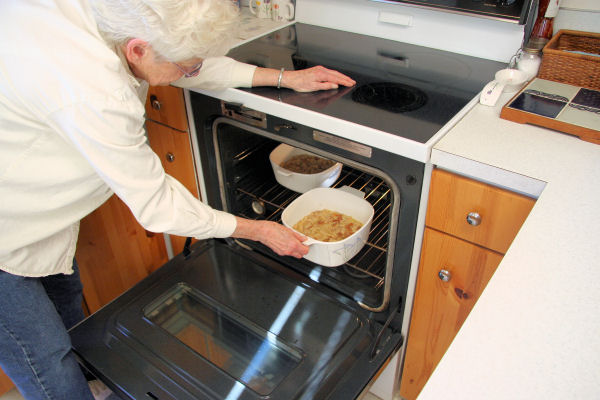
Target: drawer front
point(165, 104)
point(452, 276)
point(474, 211)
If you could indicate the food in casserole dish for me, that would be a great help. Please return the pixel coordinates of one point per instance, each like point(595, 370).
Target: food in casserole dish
point(307, 164)
point(327, 226)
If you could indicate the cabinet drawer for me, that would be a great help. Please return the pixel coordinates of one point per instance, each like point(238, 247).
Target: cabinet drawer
point(175, 152)
point(442, 305)
point(165, 104)
point(474, 211)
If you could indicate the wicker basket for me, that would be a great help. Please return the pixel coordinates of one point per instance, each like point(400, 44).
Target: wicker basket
point(560, 64)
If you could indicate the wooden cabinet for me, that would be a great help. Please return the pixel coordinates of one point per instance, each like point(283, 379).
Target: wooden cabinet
point(5, 383)
point(114, 252)
point(169, 137)
point(474, 211)
point(166, 105)
point(469, 227)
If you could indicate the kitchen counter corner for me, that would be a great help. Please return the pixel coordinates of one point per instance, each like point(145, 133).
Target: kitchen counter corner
point(533, 333)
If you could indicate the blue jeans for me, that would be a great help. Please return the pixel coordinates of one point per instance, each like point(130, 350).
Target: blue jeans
point(35, 348)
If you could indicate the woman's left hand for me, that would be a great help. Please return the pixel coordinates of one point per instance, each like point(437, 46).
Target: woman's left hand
point(315, 78)
point(304, 80)
point(280, 239)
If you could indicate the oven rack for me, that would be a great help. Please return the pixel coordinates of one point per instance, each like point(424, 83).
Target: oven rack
point(264, 198)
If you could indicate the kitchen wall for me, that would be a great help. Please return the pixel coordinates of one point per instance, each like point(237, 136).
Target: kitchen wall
point(579, 15)
point(470, 35)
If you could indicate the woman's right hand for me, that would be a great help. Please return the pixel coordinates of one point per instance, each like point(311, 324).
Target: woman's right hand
point(280, 239)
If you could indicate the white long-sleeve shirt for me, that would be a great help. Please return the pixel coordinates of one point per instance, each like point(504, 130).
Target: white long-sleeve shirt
point(72, 134)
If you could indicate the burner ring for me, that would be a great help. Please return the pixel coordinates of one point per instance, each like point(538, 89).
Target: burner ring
point(390, 96)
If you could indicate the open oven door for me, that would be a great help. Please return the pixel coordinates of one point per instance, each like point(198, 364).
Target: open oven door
point(230, 323)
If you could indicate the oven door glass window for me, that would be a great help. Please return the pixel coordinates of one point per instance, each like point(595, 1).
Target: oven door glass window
point(245, 351)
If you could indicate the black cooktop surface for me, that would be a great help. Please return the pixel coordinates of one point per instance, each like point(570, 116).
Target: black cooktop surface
point(404, 89)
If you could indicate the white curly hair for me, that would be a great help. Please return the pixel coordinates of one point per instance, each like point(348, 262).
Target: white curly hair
point(177, 30)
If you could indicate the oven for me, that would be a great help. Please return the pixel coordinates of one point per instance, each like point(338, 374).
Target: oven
point(230, 319)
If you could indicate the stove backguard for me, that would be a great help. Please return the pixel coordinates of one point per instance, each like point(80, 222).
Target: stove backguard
point(235, 144)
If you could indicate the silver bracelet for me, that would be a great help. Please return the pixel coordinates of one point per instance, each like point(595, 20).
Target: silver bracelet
point(280, 76)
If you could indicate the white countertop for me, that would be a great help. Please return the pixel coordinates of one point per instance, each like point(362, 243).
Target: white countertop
point(535, 331)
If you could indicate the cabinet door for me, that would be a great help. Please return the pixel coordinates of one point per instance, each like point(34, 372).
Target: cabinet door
point(501, 213)
point(114, 252)
point(442, 305)
point(175, 152)
point(166, 104)
point(5, 383)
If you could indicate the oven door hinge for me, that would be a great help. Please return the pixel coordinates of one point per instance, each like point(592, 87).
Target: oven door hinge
point(234, 242)
point(377, 343)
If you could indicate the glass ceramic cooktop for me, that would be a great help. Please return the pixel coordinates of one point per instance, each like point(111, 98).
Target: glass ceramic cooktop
point(407, 90)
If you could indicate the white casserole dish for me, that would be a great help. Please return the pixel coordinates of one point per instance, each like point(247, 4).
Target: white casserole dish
point(296, 181)
point(347, 201)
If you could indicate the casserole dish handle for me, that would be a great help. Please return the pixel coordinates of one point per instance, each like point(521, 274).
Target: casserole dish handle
point(353, 191)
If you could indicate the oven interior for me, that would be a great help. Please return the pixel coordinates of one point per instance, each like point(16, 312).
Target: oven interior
point(239, 179)
point(251, 191)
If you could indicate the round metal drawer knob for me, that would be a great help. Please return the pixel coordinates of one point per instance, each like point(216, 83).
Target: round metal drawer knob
point(155, 103)
point(444, 275)
point(473, 218)
point(170, 157)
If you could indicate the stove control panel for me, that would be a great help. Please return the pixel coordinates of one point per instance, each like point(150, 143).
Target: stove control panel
point(511, 10)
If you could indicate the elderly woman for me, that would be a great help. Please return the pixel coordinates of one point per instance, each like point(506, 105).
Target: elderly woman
point(73, 80)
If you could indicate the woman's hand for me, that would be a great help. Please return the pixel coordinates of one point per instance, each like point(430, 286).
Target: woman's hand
point(315, 78)
point(277, 237)
point(304, 80)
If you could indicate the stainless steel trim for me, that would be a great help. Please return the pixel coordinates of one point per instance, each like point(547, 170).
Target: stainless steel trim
point(198, 173)
point(341, 143)
point(470, 14)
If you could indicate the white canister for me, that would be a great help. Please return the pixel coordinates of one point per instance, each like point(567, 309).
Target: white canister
point(529, 59)
point(260, 8)
point(282, 10)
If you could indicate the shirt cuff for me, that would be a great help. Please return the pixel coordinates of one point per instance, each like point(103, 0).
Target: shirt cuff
point(242, 74)
point(225, 224)
point(219, 73)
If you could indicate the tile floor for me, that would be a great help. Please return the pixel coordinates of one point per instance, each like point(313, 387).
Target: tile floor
point(15, 395)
